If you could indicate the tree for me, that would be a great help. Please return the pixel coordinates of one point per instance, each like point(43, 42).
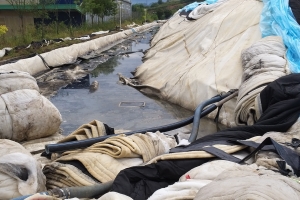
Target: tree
point(168, 13)
point(100, 8)
point(138, 11)
point(70, 16)
point(160, 2)
point(42, 12)
point(160, 14)
point(87, 7)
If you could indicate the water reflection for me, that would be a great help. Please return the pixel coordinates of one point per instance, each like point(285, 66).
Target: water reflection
point(83, 83)
point(78, 105)
point(106, 68)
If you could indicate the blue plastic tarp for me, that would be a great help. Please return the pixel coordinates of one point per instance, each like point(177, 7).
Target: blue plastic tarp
point(277, 19)
point(194, 5)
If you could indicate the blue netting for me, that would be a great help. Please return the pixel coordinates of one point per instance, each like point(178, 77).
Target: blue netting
point(277, 19)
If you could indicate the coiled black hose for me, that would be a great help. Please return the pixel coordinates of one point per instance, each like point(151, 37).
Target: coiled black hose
point(199, 113)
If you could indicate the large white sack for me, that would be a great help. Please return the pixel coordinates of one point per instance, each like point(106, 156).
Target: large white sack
point(26, 114)
point(246, 182)
point(15, 163)
point(192, 61)
point(16, 80)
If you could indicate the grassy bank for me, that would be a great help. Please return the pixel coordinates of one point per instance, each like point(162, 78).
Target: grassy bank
point(52, 32)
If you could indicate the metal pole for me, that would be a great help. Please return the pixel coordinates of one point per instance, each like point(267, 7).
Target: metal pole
point(120, 14)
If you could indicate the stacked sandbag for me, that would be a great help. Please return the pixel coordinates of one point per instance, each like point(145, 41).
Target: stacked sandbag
point(24, 113)
point(20, 174)
point(263, 62)
point(247, 182)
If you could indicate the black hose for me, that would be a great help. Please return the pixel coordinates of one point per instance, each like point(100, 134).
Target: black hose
point(93, 191)
point(197, 116)
point(199, 109)
point(60, 147)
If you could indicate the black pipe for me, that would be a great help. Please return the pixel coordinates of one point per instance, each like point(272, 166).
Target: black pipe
point(199, 109)
point(197, 116)
point(60, 147)
point(93, 191)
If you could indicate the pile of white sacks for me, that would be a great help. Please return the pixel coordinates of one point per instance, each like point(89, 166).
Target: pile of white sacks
point(24, 115)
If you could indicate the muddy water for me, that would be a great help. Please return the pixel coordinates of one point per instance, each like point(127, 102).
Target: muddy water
point(117, 105)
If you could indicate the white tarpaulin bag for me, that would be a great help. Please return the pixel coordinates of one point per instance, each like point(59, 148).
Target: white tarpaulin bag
point(20, 174)
point(24, 113)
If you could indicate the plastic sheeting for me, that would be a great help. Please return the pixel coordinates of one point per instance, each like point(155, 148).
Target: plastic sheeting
point(24, 113)
point(278, 19)
point(67, 55)
point(192, 61)
point(15, 163)
point(195, 4)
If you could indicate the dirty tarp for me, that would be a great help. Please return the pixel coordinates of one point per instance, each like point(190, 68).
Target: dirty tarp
point(20, 174)
point(246, 182)
point(25, 113)
point(192, 61)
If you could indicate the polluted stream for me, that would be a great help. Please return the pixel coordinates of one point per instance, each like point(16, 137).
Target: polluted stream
point(119, 106)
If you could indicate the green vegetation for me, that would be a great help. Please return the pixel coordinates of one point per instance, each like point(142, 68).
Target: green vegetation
point(159, 10)
point(3, 29)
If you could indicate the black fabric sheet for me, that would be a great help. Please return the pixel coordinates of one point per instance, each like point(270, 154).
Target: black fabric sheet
point(141, 182)
point(281, 106)
point(295, 6)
